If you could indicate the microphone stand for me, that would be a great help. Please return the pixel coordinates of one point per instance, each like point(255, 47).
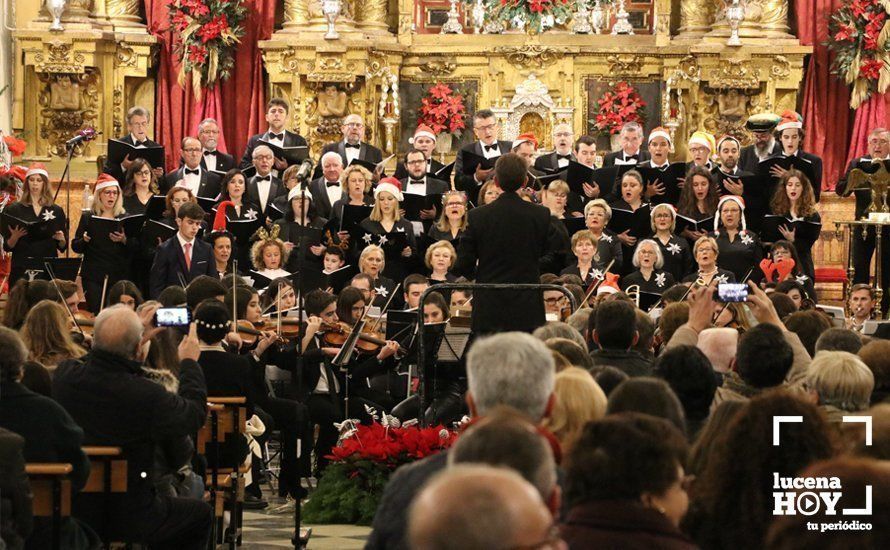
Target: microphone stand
point(66, 175)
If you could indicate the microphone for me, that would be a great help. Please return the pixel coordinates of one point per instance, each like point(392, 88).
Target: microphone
point(85, 134)
point(305, 170)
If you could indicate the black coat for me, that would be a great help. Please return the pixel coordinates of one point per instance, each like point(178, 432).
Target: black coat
point(224, 162)
point(276, 190)
point(115, 169)
point(116, 405)
point(466, 183)
point(631, 362)
point(550, 163)
point(209, 187)
point(677, 256)
point(748, 160)
point(609, 159)
point(323, 205)
point(101, 255)
point(366, 152)
point(507, 237)
point(290, 140)
point(623, 524)
point(433, 186)
point(30, 246)
point(170, 263)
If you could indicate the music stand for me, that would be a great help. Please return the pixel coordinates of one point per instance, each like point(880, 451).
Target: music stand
point(342, 359)
point(64, 268)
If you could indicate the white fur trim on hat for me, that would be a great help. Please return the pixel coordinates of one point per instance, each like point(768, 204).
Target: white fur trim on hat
point(422, 131)
point(738, 200)
point(389, 188)
point(669, 206)
point(37, 171)
point(105, 185)
point(659, 132)
point(700, 140)
point(292, 194)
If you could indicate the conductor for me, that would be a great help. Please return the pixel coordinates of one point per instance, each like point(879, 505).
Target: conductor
point(507, 237)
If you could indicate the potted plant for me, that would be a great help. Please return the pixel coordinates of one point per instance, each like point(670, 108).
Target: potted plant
point(618, 106)
point(443, 110)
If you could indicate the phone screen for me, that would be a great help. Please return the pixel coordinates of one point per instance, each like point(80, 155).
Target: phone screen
point(172, 317)
point(731, 292)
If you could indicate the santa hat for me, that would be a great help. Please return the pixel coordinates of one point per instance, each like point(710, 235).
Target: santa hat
point(660, 131)
point(609, 285)
point(105, 180)
point(669, 207)
point(219, 220)
point(728, 137)
point(762, 122)
point(703, 138)
point(297, 191)
point(391, 186)
point(37, 168)
point(16, 172)
point(525, 138)
point(724, 199)
point(790, 119)
point(422, 131)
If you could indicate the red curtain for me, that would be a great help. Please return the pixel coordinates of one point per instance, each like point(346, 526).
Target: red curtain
point(238, 105)
point(870, 115)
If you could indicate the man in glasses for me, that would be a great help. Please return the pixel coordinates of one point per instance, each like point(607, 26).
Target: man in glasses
point(488, 146)
point(563, 138)
point(353, 147)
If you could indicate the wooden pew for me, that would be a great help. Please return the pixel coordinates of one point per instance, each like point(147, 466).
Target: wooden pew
point(108, 476)
point(51, 490)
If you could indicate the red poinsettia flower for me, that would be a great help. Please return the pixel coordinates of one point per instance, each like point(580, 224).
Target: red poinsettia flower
point(845, 32)
point(859, 7)
point(15, 145)
point(870, 69)
point(197, 55)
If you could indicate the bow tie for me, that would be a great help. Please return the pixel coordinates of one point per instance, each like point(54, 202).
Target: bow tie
point(264, 178)
point(413, 181)
point(332, 183)
point(563, 157)
point(210, 153)
point(631, 157)
point(138, 143)
point(353, 145)
point(491, 147)
point(195, 172)
point(277, 136)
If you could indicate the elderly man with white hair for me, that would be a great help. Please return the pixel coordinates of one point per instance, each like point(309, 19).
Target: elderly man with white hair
point(510, 368)
point(326, 189)
point(263, 188)
point(719, 346)
point(109, 397)
point(631, 152)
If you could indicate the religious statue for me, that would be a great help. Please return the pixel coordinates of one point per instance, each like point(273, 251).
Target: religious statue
point(64, 94)
point(877, 180)
point(332, 102)
point(732, 104)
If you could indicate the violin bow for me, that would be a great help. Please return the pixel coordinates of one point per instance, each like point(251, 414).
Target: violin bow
point(726, 305)
point(385, 307)
point(52, 278)
point(597, 284)
point(104, 289)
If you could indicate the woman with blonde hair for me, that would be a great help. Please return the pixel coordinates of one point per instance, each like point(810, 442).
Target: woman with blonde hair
point(489, 192)
point(597, 214)
point(555, 197)
point(47, 335)
point(842, 383)
point(453, 220)
point(385, 225)
point(705, 252)
point(579, 400)
point(440, 258)
point(356, 183)
point(372, 262)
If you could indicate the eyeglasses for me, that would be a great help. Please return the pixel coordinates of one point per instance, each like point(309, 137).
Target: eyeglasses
point(487, 127)
point(563, 134)
point(554, 300)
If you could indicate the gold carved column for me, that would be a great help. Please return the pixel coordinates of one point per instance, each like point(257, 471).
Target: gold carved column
point(296, 14)
point(124, 13)
point(371, 15)
point(764, 20)
point(695, 18)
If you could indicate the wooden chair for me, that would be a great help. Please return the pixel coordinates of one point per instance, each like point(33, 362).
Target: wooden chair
point(51, 490)
point(108, 476)
point(226, 421)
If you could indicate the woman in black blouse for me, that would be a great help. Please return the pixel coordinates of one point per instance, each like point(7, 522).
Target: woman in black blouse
point(301, 229)
point(372, 262)
point(36, 204)
point(106, 255)
point(740, 250)
point(649, 276)
point(234, 189)
point(674, 249)
point(386, 220)
point(584, 246)
point(705, 251)
point(698, 200)
point(597, 214)
point(453, 220)
point(140, 185)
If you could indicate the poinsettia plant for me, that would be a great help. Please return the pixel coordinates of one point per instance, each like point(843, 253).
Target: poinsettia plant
point(351, 487)
point(618, 106)
point(443, 110)
point(533, 16)
point(859, 35)
point(206, 33)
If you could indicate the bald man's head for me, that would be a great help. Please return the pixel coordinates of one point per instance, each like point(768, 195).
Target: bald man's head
point(478, 507)
point(117, 330)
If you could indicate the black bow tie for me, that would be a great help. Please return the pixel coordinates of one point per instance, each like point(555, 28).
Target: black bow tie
point(631, 157)
point(491, 147)
point(332, 183)
point(195, 172)
point(416, 182)
point(138, 143)
point(277, 136)
point(353, 145)
point(563, 157)
point(210, 153)
point(264, 178)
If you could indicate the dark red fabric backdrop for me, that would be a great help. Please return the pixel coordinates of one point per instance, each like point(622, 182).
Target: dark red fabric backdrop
point(238, 104)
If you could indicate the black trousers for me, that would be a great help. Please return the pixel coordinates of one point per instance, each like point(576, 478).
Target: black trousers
point(863, 250)
point(323, 413)
point(92, 288)
point(290, 419)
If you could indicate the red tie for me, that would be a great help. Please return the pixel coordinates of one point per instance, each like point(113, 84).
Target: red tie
point(188, 255)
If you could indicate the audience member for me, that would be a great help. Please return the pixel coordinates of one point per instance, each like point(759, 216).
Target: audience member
point(578, 400)
point(614, 336)
point(37, 378)
point(783, 303)
point(839, 339)
point(710, 434)
point(673, 317)
point(876, 356)
point(689, 373)
point(842, 383)
point(16, 520)
point(47, 335)
point(559, 329)
point(646, 330)
point(608, 378)
point(571, 350)
point(809, 326)
point(719, 345)
point(648, 395)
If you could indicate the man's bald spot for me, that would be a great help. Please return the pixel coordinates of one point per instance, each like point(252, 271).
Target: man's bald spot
point(117, 330)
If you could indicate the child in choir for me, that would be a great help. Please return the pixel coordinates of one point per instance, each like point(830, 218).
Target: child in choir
point(183, 257)
point(269, 255)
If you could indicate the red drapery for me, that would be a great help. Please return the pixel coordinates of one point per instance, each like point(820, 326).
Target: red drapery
point(238, 105)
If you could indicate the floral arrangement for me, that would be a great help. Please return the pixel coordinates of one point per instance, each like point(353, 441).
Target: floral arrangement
point(361, 464)
point(534, 16)
point(208, 32)
point(859, 34)
point(618, 106)
point(443, 110)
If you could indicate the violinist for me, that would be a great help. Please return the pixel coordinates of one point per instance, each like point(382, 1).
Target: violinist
point(35, 205)
point(46, 333)
point(372, 262)
point(440, 258)
point(279, 295)
point(435, 310)
point(106, 253)
point(125, 292)
point(415, 285)
point(365, 283)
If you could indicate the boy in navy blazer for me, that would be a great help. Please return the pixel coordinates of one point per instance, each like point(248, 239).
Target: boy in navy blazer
point(182, 257)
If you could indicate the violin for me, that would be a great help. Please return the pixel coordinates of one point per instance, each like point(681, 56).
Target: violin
point(368, 342)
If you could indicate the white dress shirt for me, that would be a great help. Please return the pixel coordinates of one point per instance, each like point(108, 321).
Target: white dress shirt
point(351, 152)
point(191, 181)
point(209, 160)
point(335, 192)
point(263, 187)
point(415, 188)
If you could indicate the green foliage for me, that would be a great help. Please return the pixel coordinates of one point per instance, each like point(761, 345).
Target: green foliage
point(347, 493)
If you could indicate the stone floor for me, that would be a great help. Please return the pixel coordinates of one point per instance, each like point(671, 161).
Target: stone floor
point(273, 527)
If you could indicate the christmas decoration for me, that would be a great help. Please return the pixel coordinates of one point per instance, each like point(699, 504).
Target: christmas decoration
point(443, 110)
point(620, 105)
point(859, 35)
point(533, 16)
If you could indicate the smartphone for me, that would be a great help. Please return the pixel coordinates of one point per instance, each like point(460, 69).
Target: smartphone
point(731, 292)
point(173, 317)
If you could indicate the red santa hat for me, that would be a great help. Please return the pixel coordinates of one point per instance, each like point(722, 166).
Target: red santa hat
point(736, 199)
point(660, 131)
point(609, 285)
point(422, 131)
point(390, 185)
point(37, 168)
point(525, 138)
point(790, 119)
point(219, 220)
point(105, 180)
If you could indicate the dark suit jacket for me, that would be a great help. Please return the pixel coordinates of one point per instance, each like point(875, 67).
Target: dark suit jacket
point(276, 190)
point(817, 171)
point(549, 163)
point(290, 140)
point(433, 186)
point(609, 159)
point(210, 182)
point(402, 171)
point(16, 514)
point(170, 263)
point(224, 162)
point(748, 160)
point(320, 198)
point(507, 237)
point(115, 169)
point(366, 152)
point(468, 184)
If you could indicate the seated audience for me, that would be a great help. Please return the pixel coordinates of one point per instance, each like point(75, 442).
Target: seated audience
point(572, 351)
point(839, 339)
point(876, 356)
point(689, 373)
point(578, 400)
point(558, 329)
point(841, 382)
point(808, 325)
point(719, 346)
point(710, 435)
point(648, 395)
point(46, 333)
point(614, 336)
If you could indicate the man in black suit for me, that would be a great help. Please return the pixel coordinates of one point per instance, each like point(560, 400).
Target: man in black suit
point(419, 182)
point(352, 146)
point(276, 116)
point(764, 146)
point(138, 119)
point(485, 128)
point(183, 257)
point(863, 249)
point(562, 154)
point(192, 175)
point(108, 395)
point(508, 238)
point(211, 158)
point(631, 152)
point(424, 140)
point(263, 188)
point(327, 189)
